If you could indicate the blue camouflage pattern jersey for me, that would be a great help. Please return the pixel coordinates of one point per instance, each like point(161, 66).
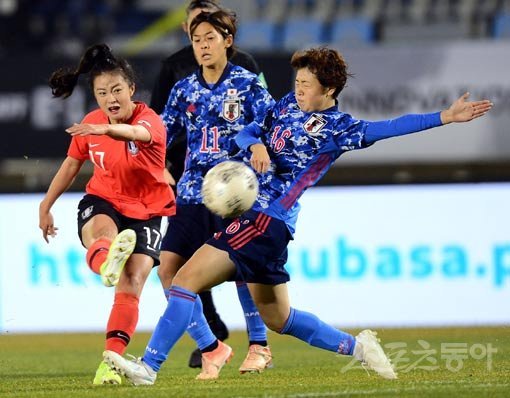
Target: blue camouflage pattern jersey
point(211, 116)
point(302, 146)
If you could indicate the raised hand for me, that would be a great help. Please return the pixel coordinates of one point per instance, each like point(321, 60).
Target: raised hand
point(462, 110)
point(83, 129)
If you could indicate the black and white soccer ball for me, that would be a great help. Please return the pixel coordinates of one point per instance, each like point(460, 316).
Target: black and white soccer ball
point(229, 189)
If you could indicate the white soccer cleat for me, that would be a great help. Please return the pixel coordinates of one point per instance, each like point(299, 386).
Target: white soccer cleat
point(136, 371)
point(370, 353)
point(118, 254)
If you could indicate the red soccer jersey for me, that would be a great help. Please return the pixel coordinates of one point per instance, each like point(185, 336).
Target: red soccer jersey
point(128, 174)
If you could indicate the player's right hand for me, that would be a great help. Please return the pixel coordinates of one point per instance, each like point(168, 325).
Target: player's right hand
point(260, 160)
point(47, 226)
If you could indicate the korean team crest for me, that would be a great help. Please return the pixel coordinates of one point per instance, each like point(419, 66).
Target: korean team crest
point(132, 147)
point(314, 124)
point(231, 109)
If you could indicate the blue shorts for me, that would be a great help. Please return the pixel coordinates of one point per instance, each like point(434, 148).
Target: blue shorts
point(257, 244)
point(148, 232)
point(190, 228)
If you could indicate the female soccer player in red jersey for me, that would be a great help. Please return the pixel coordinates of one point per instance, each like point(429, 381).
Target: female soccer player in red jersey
point(119, 218)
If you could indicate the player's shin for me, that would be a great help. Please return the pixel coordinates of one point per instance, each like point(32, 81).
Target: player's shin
point(171, 327)
point(307, 327)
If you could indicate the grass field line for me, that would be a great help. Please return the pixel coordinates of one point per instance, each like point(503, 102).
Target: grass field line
point(63, 365)
point(385, 391)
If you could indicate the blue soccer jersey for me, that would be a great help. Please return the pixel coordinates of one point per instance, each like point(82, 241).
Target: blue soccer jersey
point(211, 116)
point(303, 145)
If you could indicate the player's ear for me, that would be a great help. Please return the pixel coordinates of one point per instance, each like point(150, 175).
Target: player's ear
point(132, 89)
point(229, 41)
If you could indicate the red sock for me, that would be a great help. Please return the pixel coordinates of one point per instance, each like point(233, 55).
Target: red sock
point(122, 322)
point(97, 252)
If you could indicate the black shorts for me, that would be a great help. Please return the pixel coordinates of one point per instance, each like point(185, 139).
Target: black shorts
point(190, 228)
point(148, 232)
point(257, 244)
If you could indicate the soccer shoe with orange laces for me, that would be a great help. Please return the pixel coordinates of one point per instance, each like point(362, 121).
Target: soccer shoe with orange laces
point(370, 353)
point(257, 359)
point(118, 254)
point(213, 361)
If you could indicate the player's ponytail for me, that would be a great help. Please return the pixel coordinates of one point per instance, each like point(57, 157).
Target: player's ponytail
point(96, 60)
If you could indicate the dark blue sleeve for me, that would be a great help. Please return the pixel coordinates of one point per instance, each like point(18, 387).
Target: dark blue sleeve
point(402, 125)
point(248, 136)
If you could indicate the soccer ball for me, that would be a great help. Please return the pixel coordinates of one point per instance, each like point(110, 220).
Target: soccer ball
point(229, 189)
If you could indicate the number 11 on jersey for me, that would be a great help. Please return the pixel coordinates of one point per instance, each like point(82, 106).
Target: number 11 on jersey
point(205, 148)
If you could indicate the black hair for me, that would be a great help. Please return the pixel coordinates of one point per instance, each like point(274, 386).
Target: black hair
point(224, 22)
point(96, 60)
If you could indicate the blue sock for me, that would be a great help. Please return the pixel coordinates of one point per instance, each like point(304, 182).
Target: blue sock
point(309, 328)
point(198, 328)
point(171, 326)
point(166, 292)
point(256, 327)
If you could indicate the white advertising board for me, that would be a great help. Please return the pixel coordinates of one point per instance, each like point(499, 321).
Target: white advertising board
point(362, 256)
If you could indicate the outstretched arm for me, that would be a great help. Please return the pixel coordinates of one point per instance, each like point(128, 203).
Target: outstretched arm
point(122, 132)
point(459, 111)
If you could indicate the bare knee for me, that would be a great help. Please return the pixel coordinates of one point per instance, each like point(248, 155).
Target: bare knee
point(190, 278)
point(274, 321)
point(183, 279)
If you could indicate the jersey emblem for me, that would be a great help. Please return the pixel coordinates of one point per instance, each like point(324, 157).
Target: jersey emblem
point(87, 212)
point(144, 122)
point(231, 109)
point(314, 124)
point(132, 147)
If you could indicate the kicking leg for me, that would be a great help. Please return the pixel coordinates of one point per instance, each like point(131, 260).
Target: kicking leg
point(207, 268)
point(274, 307)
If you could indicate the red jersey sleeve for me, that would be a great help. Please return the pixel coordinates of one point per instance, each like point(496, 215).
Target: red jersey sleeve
point(152, 122)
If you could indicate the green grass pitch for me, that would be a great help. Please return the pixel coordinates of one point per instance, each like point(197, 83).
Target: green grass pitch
point(443, 362)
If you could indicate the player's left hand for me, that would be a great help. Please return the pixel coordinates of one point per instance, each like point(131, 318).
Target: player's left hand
point(83, 129)
point(462, 110)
